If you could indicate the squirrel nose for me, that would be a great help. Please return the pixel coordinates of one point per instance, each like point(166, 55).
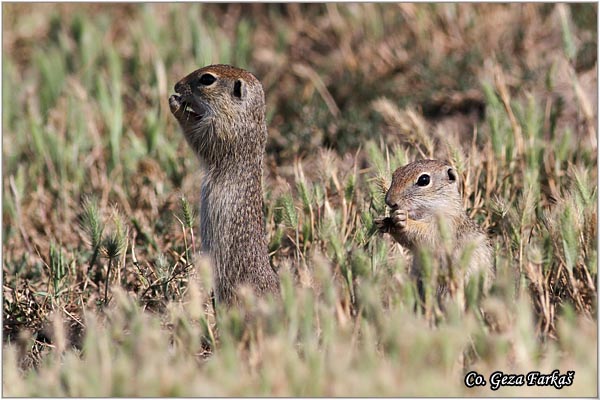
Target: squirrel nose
point(179, 87)
point(390, 203)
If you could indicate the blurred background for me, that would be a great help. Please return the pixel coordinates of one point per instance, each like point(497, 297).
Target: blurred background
point(506, 91)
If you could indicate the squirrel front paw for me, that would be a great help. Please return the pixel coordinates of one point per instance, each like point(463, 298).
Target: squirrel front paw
point(174, 103)
point(399, 218)
point(383, 224)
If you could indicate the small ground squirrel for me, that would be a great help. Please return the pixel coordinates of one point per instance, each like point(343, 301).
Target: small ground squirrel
point(424, 195)
point(221, 110)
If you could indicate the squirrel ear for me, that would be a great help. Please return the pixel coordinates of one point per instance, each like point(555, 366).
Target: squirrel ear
point(239, 89)
point(452, 175)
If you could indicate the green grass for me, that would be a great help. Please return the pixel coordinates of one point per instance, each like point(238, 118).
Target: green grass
point(105, 294)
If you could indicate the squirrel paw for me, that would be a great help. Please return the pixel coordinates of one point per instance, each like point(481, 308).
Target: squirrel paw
point(175, 103)
point(393, 223)
point(399, 218)
point(383, 224)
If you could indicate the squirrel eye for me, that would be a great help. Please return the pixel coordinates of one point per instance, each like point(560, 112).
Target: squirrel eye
point(423, 180)
point(207, 79)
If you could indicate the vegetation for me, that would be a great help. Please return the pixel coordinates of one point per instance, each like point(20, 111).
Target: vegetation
point(106, 294)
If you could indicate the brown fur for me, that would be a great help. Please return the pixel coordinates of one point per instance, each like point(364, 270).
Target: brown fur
point(224, 123)
point(419, 213)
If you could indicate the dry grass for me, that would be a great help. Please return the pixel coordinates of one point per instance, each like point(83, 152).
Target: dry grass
point(104, 293)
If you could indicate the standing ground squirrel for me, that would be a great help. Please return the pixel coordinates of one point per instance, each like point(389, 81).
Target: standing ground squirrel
point(221, 110)
point(427, 214)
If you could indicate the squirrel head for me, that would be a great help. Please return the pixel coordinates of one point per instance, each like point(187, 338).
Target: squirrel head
point(425, 188)
point(221, 110)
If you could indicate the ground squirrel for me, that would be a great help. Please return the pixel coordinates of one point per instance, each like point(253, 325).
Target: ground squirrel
point(221, 110)
point(426, 206)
